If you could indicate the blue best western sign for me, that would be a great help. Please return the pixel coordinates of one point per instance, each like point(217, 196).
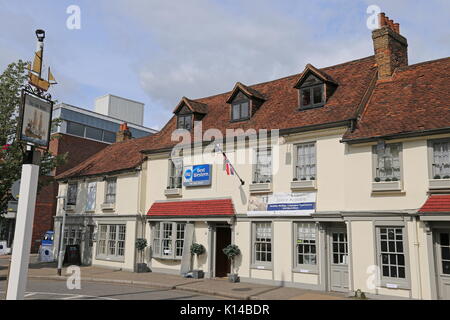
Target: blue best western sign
point(198, 175)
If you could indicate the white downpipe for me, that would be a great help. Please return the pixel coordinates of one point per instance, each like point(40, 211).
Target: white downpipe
point(417, 244)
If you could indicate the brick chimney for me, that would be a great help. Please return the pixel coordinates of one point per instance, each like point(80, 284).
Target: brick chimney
point(391, 48)
point(124, 133)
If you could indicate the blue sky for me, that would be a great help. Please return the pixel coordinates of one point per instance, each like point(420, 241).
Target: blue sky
point(158, 51)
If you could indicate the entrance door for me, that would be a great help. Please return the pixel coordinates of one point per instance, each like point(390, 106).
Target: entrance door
point(223, 238)
point(338, 259)
point(443, 263)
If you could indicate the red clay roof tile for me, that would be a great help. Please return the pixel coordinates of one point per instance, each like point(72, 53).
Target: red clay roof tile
point(437, 203)
point(216, 207)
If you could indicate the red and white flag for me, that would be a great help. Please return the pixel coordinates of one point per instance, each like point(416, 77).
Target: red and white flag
point(229, 168)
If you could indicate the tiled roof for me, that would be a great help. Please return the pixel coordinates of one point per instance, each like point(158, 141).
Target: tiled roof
point(416, 99)
point(436, 203)
point(115, 157)
point(280, 108)
point(194, 106)
point(252, 93)
point(216, 207)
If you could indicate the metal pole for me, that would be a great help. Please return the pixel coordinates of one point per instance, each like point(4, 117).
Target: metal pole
point(17, 280)
point(61, 236)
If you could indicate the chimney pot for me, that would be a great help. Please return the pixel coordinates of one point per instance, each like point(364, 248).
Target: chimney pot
point(124, 133)
point(397, 27)
point(382, 19)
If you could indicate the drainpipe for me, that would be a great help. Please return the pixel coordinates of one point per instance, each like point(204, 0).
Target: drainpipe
point(417, 245)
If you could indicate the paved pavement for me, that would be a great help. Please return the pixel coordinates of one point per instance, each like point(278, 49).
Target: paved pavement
point(166, 282)
point(57, 290)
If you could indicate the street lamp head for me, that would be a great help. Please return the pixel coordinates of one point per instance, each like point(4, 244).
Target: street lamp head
point(40, 34)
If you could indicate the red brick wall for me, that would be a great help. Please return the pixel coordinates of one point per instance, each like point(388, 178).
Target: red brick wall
point(78, 150)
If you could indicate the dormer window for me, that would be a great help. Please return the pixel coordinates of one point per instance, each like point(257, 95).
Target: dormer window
point(188, 111)
point(244, 101)
point(241, 110)
point(315, 87)
point(184, 121)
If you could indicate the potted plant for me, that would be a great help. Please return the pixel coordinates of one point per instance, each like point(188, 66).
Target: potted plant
point(394, 179)
point(303, 179)
point(437, 177)
point(446, 177)
point(231, 251)
point(377, 179)
point(387, 179)
point(312, 178)
point(141, 244)
point(197, 249)
point(295, 179)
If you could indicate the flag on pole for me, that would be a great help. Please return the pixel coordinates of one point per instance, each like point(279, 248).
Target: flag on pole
point(229, 168)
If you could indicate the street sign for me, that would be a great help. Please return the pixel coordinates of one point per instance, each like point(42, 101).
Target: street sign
point(35, 119)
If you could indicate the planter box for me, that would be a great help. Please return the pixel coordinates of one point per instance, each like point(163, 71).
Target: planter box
point(198, 274)
point(142, 267)
point(303, 185)
point(172, 192)
point(260, 187)
point(233, 277)
point(439, 184)
point(386, 186)
point(108, 206)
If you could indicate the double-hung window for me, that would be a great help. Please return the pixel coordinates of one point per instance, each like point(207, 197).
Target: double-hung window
point(91, 195)
point(110, 196)
point(168, 240)
point(240, 110)
point(305, 166)
point(262, 244)
point(392, 255)
point(72, 235)
point(388, 162)
point(72, 192)
point(441, 159)
point(263, 166)
point(111, 241)
point(175, 173)
point(306, 247)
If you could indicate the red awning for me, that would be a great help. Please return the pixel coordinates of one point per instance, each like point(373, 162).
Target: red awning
point(436, 203)
point(216, 207)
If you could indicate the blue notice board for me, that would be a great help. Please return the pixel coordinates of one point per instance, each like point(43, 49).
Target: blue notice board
point(197, 175)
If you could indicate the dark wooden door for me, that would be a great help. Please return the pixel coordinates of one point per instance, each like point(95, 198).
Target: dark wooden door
point(223, 238)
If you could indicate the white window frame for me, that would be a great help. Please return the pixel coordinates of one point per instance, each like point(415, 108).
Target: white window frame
point(376, 162)
point(91, 195)
point(387, 281)
point(303, 166)
point(73, 234)
point(432, 158)
point(261, 264)
point(308, 229)
point(107, 191)
point(256, 175)
point(114, 237)
point(173, 177)
point(159, 237)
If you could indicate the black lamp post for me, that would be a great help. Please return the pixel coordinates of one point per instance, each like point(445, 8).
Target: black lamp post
point(40, 34)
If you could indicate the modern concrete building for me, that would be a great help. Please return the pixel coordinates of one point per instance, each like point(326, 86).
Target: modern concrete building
point(346, 181)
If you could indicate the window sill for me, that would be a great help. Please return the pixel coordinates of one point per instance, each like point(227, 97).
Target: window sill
point(261, 267)
point(304, 185)
point(436, 184)
point(240, 120)
point(260, 187)
point(173, 192)
point(108, 206)
point(310, 107)
point(166, 258)
point(395, 285)
point(305, 270)
point(70, 207)
point(387, 186)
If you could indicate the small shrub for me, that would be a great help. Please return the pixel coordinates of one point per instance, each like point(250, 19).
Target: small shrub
point(303, 179)
point(394, 179)
point(437, 177)
point(312, 178)
point(197, 249)
point(387, 179)
point(377, 179)
point(446, 177)
point(141, 244)
point(295, 179)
